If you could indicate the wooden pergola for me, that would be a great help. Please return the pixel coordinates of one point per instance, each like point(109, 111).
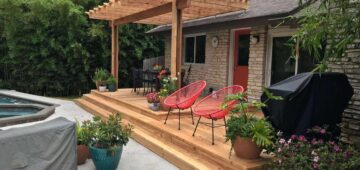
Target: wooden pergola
point(160, 12)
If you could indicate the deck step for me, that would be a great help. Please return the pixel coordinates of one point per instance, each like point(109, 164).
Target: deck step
point(158, 115)
point(173, 154)
point(152, 133)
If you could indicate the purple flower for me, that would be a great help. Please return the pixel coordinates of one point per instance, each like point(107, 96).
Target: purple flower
point(293, 137)
point(314, 141)
point(315, 166)
point(347, 154)
point(336, 148)
point(282, 141)
point(323, 131)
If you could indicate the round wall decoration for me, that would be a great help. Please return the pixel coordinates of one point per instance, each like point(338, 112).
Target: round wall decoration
point(215, 41)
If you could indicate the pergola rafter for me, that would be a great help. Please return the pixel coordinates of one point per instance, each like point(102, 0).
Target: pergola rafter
point(159, 12)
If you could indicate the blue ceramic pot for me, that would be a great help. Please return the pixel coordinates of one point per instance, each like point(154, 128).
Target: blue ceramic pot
point(105, 159)
point(112, 87)
point(155, 106)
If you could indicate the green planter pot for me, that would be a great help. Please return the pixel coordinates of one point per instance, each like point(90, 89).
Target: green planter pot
point(112, 87)
point(104, 159)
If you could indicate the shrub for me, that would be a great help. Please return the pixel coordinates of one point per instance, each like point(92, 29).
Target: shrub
point(311, 153)
point(108, 134)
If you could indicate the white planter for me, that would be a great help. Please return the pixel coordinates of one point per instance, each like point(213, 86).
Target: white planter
point(102, 88)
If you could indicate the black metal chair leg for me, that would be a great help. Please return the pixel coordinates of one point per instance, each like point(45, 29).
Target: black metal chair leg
point(225, 125)
point(197, 124)
point(167, 116)
point(179, 119)
point(212, 122)
point(192, 115)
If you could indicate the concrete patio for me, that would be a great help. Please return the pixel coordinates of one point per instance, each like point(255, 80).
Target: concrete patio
point(135, 156)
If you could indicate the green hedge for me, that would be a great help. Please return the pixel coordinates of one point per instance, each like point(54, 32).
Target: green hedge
point(50, 47)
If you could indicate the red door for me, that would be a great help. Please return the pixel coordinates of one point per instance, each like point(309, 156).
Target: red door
point(241, 57)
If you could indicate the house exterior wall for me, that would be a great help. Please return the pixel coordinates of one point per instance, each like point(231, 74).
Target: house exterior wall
point(257, 58)
point(215, 68)
point(350, 65)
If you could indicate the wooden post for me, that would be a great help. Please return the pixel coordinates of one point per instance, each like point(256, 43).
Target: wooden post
point(114, 53)
point(176, 42)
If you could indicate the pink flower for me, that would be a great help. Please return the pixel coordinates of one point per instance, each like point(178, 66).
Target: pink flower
point(279, 150)
point(322, 131)
point(293, 137)
point(314, 141)
point(331, 142)
point(315, 166)
point(302, 138)
point(336, 148)
point(282, 141)
point(347, 154)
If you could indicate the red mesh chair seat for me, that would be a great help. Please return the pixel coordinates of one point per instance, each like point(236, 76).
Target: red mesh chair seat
point(210, 106)
point(184, 98)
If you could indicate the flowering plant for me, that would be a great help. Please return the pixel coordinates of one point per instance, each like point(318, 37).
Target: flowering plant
point(152, 98)
point(157, 67)
point(318, 149)
point(167, 84)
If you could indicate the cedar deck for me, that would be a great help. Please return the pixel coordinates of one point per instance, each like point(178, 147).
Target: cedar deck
point(177, 146)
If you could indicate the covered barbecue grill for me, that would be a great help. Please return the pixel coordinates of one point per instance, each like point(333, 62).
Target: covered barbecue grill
point(309, 99)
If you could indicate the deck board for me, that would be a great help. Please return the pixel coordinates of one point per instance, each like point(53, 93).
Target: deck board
point(150, 123)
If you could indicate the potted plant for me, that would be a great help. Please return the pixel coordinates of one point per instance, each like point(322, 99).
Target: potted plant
point(83, 139)
point(154, 101)
point(100, 77)
point(157, 67)
point(247, 133)
point(108, 138)
point(167, 88)
point(112, 82)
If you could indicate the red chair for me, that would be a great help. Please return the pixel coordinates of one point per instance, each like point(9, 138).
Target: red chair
point(184, 98)
point(210, 106)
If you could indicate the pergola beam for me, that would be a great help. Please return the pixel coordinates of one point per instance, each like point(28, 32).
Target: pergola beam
point(115, 53)
point(152, 12)
point(176, 41)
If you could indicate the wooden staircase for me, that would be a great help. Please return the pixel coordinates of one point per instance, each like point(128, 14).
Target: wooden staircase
point(177, 146)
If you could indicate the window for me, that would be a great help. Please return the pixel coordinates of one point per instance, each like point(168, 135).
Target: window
point(195, 49)
point(283, 65)
point(243, 50)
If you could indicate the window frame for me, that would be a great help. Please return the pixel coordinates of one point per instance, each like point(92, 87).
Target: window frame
point(184, 49)
point(284, 31)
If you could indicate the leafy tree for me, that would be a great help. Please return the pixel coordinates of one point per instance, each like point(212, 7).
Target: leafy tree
point(328, 27)
point(50, 47)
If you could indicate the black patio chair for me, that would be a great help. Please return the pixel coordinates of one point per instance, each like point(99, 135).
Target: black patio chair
point(137, 76)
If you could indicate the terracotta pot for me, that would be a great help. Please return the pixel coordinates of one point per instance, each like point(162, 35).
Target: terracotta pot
point(246, 148)
point(162, 105)
point(82, 154)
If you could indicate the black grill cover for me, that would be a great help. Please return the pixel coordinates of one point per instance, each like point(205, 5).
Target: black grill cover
point(309, 99)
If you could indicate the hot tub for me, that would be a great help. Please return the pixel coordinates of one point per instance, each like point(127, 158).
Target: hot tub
point(16, 110)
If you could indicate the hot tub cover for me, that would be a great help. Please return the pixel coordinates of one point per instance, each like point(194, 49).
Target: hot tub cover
point(309, 99)
point(49, 145)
